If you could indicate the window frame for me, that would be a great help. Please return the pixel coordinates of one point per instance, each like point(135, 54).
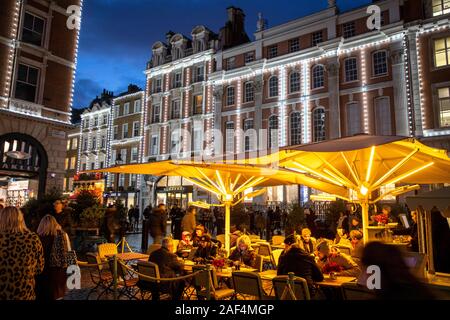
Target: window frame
point(228, 96)
point(386, 63)
point(314, 40)
point(138, 128)
point(315, 121)
point(44, 27)
point(229, 135)
point(125, 132)
point(438, 104)
point(291, 82)
point(27, 81)
point(295, 131)
point(137, 102)
point(272, 51)
point(247, 93)
point(345, 32)
point(270, 88)
point(269, 127)
point(442, 8)
point(346, 80)
point(248, 146)
point(296, 45)
point(314, 77)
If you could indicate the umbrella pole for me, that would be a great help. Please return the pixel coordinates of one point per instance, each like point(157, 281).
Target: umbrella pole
point(227, 226)
point(365, 220)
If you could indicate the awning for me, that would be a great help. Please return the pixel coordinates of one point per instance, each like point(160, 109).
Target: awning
point(438, 198)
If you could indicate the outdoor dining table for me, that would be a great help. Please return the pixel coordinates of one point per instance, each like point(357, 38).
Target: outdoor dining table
point(228, 272)
point(328, 282)
point(129, 256)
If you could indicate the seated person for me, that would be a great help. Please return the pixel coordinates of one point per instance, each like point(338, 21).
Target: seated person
point(342, 238)
point(332, 260)
point(244, 253)
point(355, 223)
point(300, 263)
point(356, 238)
point(185, 244)
point(206, 251)
point(169, 267)
point(307, 243)
point(199, 231)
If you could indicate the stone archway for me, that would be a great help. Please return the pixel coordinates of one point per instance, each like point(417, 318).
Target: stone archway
point(21, 155)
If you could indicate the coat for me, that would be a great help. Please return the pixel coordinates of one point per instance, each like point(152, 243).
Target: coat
point(206, 254)
point(349, 266)
point(302, 265)
point(188, 222)
point(248, 257)
point(308, 247)
point(157, 222)
point(167, 262)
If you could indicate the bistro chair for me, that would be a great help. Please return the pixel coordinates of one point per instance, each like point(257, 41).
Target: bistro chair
point(300, 288)
point(354, 291)
point(208, 280)
point(126, 283)
point(248, 284)
point(146, 285)
point(254, 237)
point(221, 238)
point(277, 240)
point(265, 250)
point(259, 263)
point(276, 255)
point(100, 276)
point(175, 245)
point(106, 249)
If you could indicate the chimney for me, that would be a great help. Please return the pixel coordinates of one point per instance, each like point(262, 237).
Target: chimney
point(169, 35)
point(233, 33)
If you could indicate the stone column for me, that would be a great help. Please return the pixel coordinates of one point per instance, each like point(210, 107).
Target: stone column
point(333, 98)
point(257, 123)
point(217, 110)
point(399, 83)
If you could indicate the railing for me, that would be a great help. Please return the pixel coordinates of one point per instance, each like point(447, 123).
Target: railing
point(25, 107)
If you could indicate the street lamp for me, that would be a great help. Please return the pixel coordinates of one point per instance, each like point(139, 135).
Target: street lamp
point(118, 162)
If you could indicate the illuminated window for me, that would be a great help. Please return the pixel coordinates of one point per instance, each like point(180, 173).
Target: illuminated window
point(351, 69)
point(27, 82)
point(74, 143)
point(440, 7)
point(273, 87)
point(230, 96)
point(66, 164)
point(198, 104)
point(68, 144)
point(294, 82)
point(379, 60)
point(33, 29)
point(383, 124)
point(318, 79)
point(296, 128)
point(229, 134)
point(249, 92)
point(175, 112)
point(273, 132)
point(353, 119)
point(73, 162)
point(441, 52)
point(319, 124)
point(444, 107)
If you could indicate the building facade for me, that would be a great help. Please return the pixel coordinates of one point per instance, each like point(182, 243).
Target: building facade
point(71, 161)
point(37, 69)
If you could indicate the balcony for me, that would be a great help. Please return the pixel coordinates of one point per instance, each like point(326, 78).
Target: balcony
point(25, 107)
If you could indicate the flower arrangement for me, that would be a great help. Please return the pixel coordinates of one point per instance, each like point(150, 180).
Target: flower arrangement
point(331, 267)
point(218, 263)
point(381, 218)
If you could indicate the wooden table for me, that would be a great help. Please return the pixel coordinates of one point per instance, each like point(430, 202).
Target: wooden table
point(129, 256)
point(327, 282)
point(228, 272)
point(268, 275)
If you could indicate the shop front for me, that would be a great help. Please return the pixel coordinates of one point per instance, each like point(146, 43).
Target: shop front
point(174, 191)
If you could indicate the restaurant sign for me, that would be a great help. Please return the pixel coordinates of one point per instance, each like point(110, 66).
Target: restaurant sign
point(174, 189)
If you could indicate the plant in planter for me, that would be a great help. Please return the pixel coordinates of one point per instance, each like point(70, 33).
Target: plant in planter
point(92, 217)
point(295, 218)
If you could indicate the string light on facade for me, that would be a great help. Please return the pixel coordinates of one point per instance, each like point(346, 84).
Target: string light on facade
point(365, 106)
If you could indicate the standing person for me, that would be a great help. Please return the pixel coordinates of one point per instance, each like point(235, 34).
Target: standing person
point(310, 217)
point(343, 222)
point(260, 224)
point(177, 217)
point(188, 222)
point(136, 216)
point(220, 220)
point(158, 223)
point(131, 218)
point(51, 283)
point(21, 251)
point(269, 224)
point(63, 216)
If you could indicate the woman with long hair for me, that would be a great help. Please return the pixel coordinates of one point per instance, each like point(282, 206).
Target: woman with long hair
point(51, 284)
point(21, 257)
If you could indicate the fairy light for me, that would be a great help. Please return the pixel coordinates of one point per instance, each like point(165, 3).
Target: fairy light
point(408, 88)
point(186, 110)
point(306, 75)
point(364, 91)
point(238, 116)
point(421, 95)
point(282, 107)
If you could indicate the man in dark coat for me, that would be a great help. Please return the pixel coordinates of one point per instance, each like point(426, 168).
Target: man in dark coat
point(158, 223)
point(300, 263)
point(176, 216)
point(188, 222)
point(206, 251)
point(63, 215)
point(169, 267)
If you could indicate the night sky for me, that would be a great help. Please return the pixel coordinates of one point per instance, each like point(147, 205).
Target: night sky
point(117, 35)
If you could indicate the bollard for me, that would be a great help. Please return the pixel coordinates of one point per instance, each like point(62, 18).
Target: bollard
point(208, 286)
point(144, 242)
point(115, 277)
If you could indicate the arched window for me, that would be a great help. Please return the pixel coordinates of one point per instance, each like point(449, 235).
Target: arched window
point(296, 128)
point(383, 122)
point(319, 124)
point(249, 92)
point(273, 131)
point(318, 76)
point(353, 118)
point(230, 96)
point(294, 82)
point(273, 87)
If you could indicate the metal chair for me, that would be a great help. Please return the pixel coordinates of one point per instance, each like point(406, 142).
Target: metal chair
point(259, 261)
point(276, 255)
point(354, 291)
point(99, 275)
point(248, 284)
point(126, 283)
point(300, 288)
point(207, 281)
point(277, 240)
point(149, 269)
point(265, 250)
point(106, 249)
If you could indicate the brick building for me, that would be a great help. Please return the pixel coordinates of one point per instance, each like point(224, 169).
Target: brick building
point(37, 68)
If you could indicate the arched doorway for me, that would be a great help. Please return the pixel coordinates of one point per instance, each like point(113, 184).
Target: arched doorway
point(23, 168)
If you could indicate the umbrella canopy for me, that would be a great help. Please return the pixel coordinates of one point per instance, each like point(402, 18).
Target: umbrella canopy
point(428, 200)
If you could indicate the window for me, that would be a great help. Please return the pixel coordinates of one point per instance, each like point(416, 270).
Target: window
point(198, 139)
point(272, 51)
point(105, 119)
point(156, 113)
point(84, 166)
point(177, 80)
point(158, 86)
point(66, 164)
point(133, 180)
point(121, 180)
point(229, 134)
point(137, 106)
point(126, 108)
point(114, 156)
point(74, 143)
point(444, 107)
point(117, 111)
point(116, 133)
point(33, 29)
point(351, 69)
point(249, 92)
point(249, 57)
point(231, 63)
point(230, 96)
point(316, 38)
point(103, 142)
point(294, 82)
point(318, 77)
point(134, 154)
point(249, 135)
point(175, 142)
point(154, 146)
point(440, 7)
point(85, 144)
point(273, 132)
point(136, 128)
point(319, 124)
point(68, 145)
point(26, 84)
point(353, 119)
point(102, 164)
point(125, 131)
point(175, 109)
point(348, 29)
point(73, 163)
point(92, 165)
point(296, 128)
point(383, 124)
point(273, 87)
point(379, 63)
point(96, 122)
point(123, 155)
point(442, 52)
point(198, 104)
point(294, 45)
point(199, 70)
point(94, 143)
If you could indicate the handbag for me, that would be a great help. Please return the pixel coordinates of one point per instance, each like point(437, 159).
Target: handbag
point(58, 255)
point(71, 257)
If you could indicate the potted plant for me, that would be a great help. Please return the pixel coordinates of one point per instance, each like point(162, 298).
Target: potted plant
point(92, 217)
